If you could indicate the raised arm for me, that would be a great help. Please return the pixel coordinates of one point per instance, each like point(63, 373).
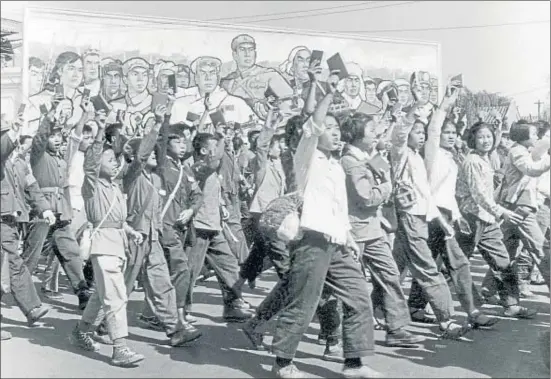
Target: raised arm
point(92, 163)
point(435, 128)
point(263, 145)
point(162, 159)
point(524, 162)
point(40, 140)
point(313, 73)
point(145, 149)
point(75, 136)
point(312, 129)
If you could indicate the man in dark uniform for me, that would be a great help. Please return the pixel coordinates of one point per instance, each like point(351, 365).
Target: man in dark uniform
point(13, 184)
point(50, 171)
point(230, 177)
point(145, 201)
point(182, 200)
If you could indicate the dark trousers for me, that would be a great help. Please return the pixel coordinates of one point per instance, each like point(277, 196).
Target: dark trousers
point(238, 245)
point(411, 250)
point(263, 247)
point(67, 250)
point(277, 252)
point(34, 243)
point(456, 263)
point(160, 295)
point(213, 246)
point(387, 291)
point(314, 263)
point(22, 286)
point(172, 241)
point(530, 233)
point(488, 238)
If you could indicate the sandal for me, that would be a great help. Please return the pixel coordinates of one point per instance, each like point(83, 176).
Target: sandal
point(454, 331)
point(481, 320)
point(420, 316)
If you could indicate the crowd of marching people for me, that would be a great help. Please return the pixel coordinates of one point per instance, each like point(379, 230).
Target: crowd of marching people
point(333, 199)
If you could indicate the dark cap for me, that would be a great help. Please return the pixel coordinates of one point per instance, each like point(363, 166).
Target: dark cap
point(56, 127)
point(176, 130)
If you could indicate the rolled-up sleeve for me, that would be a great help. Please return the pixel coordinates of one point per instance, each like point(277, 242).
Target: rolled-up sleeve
point(305, 151)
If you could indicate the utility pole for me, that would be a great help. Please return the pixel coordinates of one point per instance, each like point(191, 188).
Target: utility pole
point(539, 104)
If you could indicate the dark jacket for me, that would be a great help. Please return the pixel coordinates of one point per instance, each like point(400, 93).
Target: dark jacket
point(365, 197)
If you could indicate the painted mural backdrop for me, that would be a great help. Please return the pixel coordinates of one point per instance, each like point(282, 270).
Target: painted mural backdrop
point(128, 66)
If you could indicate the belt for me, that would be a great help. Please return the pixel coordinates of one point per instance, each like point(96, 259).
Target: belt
point(109, 225)
point(512, 206)
point(54, 190)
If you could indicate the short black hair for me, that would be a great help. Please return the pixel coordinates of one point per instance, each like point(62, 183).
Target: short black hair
point(252, 136)
point(520, 131)
point(472, 132)
point(449, 121)
point(337, 118)
point(201, 141)
point(543, 127)
point(87, 128)
point(237, 143)
point(353, 126)
point(293, 130)
point(276, 139)
point(23, 138)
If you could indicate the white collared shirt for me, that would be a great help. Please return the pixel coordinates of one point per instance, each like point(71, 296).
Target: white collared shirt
point(442, 169)
point(442, 181)
point(325, 207)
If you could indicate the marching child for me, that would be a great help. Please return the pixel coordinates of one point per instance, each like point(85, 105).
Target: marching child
point(106, 210)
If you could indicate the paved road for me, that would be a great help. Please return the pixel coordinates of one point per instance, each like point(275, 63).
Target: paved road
point(511, 350)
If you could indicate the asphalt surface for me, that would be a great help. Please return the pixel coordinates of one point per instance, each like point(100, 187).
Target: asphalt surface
point(512, 349)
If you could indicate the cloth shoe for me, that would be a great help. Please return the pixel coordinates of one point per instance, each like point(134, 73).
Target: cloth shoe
point(51, 295)
point(480, 320)
point(288, 372)
point(36, 314)
point(361, 372)
point(402, 338)
point(124, 357)
point(187, 334)
point(83, 340)
point(517, 311)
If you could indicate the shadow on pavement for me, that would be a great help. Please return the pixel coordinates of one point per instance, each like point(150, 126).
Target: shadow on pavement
point(227, 346)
